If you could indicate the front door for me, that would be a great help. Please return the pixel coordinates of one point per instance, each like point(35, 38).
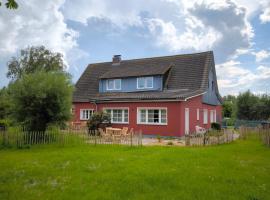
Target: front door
point(186, 120)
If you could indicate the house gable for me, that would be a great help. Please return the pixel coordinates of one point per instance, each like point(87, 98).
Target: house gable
point(211, 96)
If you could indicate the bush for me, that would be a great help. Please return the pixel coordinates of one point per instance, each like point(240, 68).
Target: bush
point(4, 124)
point(215, 126)
point(98, 120)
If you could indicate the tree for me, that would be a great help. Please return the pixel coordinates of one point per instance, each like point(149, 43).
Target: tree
point(41, 99)
point(11, 4)
point(4, 103)
point(227, 109)
point(98, 120)
point(33, 59)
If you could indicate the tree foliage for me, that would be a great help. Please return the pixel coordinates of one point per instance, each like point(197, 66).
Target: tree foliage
point(41, 99)
point(98, 119)
point(33, 59)
point(4, 103)
point(10, 4)
point(253, 107)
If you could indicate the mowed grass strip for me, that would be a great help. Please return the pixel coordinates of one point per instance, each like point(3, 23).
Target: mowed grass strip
point(240, 170)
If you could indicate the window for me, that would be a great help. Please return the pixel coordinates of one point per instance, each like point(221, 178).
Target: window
point(85, 114)
point(215, 116)
point(118, 115)
point(211, 116)
point(145, 82)
point(152, 116)
point(198, 114)
point(114, 84)
point(213, 85)
point(205, 116)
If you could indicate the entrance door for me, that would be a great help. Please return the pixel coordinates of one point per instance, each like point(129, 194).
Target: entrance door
point(186, 120)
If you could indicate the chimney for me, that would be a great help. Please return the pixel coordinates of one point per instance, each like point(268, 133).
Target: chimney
point(116, 60)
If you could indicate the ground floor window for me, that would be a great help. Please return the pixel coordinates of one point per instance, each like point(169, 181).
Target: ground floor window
point(118, 115)
point(152, 116)
point(213, 117)
point(85, 114)
point(205, 116)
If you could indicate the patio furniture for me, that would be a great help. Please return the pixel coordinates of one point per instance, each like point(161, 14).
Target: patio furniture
point(115, 133)
point(200, 130)
point(105, 135)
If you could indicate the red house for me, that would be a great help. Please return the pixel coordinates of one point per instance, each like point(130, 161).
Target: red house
point(166, 95)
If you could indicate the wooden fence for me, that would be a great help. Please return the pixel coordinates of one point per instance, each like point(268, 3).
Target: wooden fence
point(262, 134)
point(21, 139)
point(210, 138)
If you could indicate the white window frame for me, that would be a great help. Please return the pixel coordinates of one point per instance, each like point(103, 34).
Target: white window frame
point(146, 115)
point(114, 80)
point(145, 82)
point(205, 116)
point(82, 117)
point(215, 115)
point(198, 114)
point(123, 114)
point(211, 116)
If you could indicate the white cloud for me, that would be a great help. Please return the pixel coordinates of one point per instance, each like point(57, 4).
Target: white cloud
point(233, 77)
point(265, 15)
point(186, 25)
point(261, 55)
point(35, 23)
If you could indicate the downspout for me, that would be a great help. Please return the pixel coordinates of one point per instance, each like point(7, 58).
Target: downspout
point(94, 102)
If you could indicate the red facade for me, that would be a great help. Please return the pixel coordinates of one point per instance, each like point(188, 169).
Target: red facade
point(175, 115)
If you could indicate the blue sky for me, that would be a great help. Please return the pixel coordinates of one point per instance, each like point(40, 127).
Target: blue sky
point(87, 31)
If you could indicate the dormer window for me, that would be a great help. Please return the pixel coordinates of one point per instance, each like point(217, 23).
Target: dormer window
point(114, 84)
point(145, 82)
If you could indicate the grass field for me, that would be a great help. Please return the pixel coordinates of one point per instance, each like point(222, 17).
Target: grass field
point(240, 170)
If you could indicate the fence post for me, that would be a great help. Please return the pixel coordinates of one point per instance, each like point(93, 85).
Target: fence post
point(131, 139)
point(187, 139)
point(95, 139)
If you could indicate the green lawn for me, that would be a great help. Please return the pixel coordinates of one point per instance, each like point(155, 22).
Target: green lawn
point(240, 170)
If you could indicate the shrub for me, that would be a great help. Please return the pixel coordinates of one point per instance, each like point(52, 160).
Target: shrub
point(98, 120)
point(4, 124)
point(170, 143)
point(215, 126)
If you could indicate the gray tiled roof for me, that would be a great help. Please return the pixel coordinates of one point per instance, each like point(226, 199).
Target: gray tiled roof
point(188, 77)
point(135, 68)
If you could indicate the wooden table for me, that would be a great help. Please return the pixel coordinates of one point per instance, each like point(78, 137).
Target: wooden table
point(114, 131)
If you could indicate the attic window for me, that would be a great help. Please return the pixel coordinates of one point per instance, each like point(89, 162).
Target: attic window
point(114, 84)
point(145, 82)
point(213, 85)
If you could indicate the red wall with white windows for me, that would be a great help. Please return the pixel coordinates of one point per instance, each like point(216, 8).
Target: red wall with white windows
point(175, 115)
point(193, 104)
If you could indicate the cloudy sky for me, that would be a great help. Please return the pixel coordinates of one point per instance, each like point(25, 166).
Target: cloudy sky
point(87, 31)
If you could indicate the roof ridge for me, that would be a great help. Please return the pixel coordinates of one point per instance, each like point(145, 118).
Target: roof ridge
point(155, 57)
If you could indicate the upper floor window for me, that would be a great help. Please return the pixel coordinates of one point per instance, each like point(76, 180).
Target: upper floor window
point(114, 84)
point(145, 82)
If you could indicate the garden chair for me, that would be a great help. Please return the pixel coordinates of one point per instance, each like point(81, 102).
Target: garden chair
point(200, 130)
point(124, 131)
point(106, 136)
